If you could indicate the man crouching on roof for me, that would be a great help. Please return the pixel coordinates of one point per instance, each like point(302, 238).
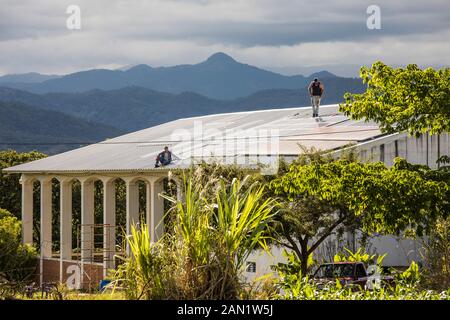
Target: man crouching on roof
point(164, 158)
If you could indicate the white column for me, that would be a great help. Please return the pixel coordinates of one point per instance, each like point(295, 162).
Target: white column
point(87, 221)
point(65, 222)
point(27, 209)
point(109, 221)
point(445, 144)
point(433, 150)
point(180, 194)
point(45, 223)
point(157, 210)
point(148, 206)
point(412, 148)
point(46, 217)
point(402, 148)
point(132, 203)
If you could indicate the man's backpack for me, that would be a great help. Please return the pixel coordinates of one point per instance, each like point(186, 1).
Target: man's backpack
point(316, 90)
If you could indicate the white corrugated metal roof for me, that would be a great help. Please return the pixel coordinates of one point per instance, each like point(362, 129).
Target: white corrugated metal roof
point(255, 133)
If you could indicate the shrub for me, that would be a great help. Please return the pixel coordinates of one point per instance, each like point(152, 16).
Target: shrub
point(411, 276)
point(17, 261)
point(294, 286)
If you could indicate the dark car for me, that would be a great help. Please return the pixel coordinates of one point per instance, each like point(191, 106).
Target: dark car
point(348, 273)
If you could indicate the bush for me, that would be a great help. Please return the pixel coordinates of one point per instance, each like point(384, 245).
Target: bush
point(411, 276)
point(17, 261)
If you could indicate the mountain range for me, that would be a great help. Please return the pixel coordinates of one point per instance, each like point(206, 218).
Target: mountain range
point(31, 77)
point(219, 77)
point(134, 108)
point(24, 128)
point(99, 104)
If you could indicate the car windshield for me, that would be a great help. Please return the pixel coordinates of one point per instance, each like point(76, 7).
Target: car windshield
point(334, 271)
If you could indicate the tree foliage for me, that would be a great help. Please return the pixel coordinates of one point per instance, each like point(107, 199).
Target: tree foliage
point(10, 188)
point(359, 255)
point(403, 99)
point(321, 195)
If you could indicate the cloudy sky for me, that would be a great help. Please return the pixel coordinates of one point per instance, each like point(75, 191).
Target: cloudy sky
point(283, 35)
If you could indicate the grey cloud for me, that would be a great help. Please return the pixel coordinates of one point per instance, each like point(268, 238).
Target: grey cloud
point(33, 36)
point(279, 23)
point(306, 21)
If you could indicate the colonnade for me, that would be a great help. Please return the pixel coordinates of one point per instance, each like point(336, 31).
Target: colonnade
point(154, 213)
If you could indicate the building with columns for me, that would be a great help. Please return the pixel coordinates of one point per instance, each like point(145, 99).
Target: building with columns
point(245, 138)
point(88, 263)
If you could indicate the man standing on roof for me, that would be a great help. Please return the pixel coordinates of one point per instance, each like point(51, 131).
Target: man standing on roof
point(315, 90)
point(164, 158)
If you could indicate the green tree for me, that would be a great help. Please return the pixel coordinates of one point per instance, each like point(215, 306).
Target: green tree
point(17, 261)
point(10, 188)
point(322, 195)
point(403, 99)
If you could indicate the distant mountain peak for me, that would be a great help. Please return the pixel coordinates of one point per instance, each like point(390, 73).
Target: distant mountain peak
point(139, 67)
point(322, 74)
point(220, 57)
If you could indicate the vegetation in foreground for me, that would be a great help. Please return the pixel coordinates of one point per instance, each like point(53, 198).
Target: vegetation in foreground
point(204, 250)
point(294, 286)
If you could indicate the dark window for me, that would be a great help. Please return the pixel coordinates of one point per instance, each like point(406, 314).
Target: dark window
point(335, 270)
point(396, 148)
point(439, 150)
point(251, 266)
point(382, 153)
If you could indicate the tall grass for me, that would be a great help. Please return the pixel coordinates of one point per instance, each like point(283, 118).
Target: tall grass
point(141, 274)
point(241, 221)
point(436, 256)
point(202, 254)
